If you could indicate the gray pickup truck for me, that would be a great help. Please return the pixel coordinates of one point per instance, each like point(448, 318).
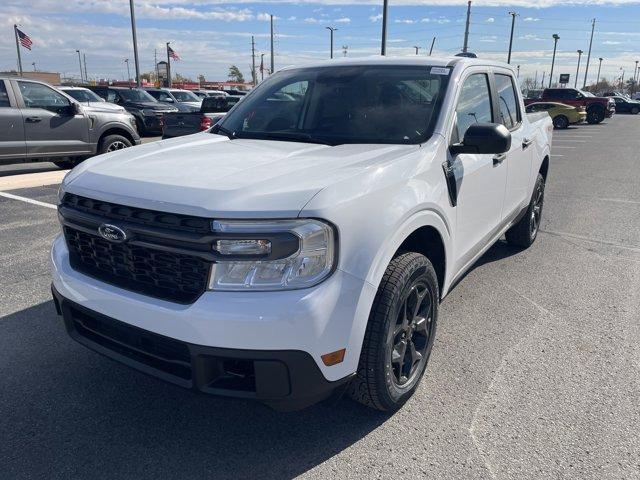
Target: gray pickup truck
point(41, 123)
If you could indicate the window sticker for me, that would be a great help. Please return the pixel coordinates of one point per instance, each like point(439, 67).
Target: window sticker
point(439, 71)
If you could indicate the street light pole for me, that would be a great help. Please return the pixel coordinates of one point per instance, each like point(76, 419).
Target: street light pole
point(168, 67)
point(331, 30)
point(586, 70)
point(599, 67)
point(385, 9)
point(555, 37)
point(513, 24)
point(126, 60)
point(34, 66)
point(261, 66)
point(80, 62)
point(575, 85)
point(84, 58)
point(272, 60)
point(135, 43)
point(417, 48)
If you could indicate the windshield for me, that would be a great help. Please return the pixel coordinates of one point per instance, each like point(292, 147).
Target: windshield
point(345, 104)
point(83, 95)
point(135, 95)
point(184, 96)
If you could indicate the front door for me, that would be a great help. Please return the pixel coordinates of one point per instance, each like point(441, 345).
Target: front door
point(481, 178)
point(51, 127)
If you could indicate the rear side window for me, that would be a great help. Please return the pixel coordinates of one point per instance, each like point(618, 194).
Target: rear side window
point(4, 97)
point(507, 101)
point(474, 104)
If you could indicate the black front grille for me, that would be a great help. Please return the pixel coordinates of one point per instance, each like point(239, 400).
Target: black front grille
point(167, 275)
point(140, 216)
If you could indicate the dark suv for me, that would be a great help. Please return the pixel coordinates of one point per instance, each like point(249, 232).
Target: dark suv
point(147, 111)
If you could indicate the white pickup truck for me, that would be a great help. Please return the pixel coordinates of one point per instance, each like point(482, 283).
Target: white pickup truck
point(300, 248)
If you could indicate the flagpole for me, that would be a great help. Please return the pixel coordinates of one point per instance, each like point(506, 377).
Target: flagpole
point(168, 67)
point(15, 31)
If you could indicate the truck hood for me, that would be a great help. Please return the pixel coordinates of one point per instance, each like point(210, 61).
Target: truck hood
point(102, 107)
point(209, 175)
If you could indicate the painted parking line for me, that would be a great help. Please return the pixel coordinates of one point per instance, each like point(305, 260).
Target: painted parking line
point(569, 140)
point(562, 146)
point(27, 200)
point(30, 180)
point(556, 155)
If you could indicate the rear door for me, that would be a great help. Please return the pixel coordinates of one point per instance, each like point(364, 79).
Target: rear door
point(51, 127)
point(12, 144)
point(519, 157)
point(481, 178)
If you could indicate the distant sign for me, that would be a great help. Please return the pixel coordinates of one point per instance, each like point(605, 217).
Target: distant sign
point(564, 78)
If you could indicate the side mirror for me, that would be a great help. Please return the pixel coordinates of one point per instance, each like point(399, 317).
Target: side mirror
point(168, 100)
point(483, 138)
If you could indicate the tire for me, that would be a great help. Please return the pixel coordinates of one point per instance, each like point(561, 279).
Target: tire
point(524, 233)
point(111, 143)
point(561, 122)
point(635, 110)
point(595, 115)
point(389, 370)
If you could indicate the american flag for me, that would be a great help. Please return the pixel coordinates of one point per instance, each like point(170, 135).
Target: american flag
point(25, 41)
point(173, 54)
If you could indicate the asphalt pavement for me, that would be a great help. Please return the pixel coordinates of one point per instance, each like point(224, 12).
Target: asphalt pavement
point(535, 372)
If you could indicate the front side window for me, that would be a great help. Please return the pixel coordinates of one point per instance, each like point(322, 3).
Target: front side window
point(348, 104)
point(184, 96)
point(507, 101)
point(135, 95)
point(161, 96)
point(474, 103)
point(36, 95)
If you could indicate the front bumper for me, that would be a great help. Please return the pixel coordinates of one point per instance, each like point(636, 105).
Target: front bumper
point(284, 380)
point(314, 321)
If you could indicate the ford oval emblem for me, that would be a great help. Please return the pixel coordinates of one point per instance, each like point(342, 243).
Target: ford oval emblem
point(112, 233)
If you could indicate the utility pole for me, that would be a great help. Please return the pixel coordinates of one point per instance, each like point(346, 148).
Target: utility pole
point(331, 30)
point(635, 79)
point(417, 48)
point(34, 66)
point(135, 43)
point(535, 81)
point(599, 67)
point(586, 71)
point(433, 42)
point(254, 77)
point(155, 66)
point(84, 57)
point(261, 66)
point(15, 31)
point(272, 62)
point(126, 60)
point(80, 62)
point(555, 37)
point(575, 85)
point(465, 47)
point(622, 80)
point(168, 67)
point(385, 11)
point(518, 74)
point(344, 50)
point(513, 25)
point(542, 82)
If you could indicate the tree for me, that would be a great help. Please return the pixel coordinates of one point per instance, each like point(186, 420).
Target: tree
point(235, 74)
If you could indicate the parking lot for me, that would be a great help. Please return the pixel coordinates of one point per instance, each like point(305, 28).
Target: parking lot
point(534, 373)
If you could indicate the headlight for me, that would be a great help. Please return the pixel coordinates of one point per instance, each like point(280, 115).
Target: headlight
point(272, 255)
point(147, 112)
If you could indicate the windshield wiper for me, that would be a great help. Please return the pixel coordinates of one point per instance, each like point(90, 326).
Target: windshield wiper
point(224, 131)
point(296, 137)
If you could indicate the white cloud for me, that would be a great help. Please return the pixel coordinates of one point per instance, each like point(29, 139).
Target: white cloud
point(531, 19)
point(611, 42)
point(531, 37)
point(440, 20)
point(405, 20)
point(343, 20)
point(311, 20)
point(376, 18)
point(291, 19)
point(490, 20)
point(489, 39)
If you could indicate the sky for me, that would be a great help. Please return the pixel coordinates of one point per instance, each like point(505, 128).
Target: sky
point(211, 35)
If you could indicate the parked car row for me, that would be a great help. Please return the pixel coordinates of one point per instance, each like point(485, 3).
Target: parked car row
point(570, 106)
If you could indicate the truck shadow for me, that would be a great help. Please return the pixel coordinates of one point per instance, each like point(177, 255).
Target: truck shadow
point(67, 412)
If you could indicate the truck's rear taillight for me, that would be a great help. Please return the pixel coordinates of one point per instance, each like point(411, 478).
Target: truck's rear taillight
point(205, 123)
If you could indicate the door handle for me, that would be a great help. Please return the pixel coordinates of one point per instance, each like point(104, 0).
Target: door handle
point(498, 159)
point(33, 119)
point(526, 142)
